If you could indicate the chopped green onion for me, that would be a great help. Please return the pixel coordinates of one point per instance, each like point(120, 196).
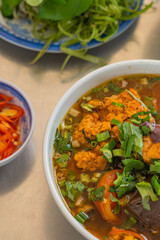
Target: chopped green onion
point(84, 177)
point(112, 144)
point(105, 90)
point(81, 217)
point(146, 192)
point(107, 154)
point(156, 184)
point(118, 104)
point(93, 144)
point(102, 136)
point(129, 145)
point(136, 121)
point(118, 152)
point(115, 122)
point(88, 107)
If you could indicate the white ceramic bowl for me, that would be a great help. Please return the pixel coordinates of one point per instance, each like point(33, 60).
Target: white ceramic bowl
point(70, 97)
point(27, 122)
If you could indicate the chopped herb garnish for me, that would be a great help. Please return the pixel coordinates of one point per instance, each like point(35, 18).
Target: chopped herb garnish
point(88, 107)
point(98, 194)
point(118, 104)
point(132, 164)
point(102, 136)
point(81, 217)
point(155, 167)
point(74, 189)
point(146, 192)
point(62, 162)
point(114, 88)
point(156, 184)
point(61, 143)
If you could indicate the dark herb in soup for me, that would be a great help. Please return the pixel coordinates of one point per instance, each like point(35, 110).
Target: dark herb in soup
point(107, 159)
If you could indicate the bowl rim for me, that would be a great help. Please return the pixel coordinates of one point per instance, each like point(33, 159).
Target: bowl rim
point(22, 147)
point(46, 158)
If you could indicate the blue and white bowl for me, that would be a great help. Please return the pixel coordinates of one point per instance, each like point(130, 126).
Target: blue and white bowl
point(26, 123)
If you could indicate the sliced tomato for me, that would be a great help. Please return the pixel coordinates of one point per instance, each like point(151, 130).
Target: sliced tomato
point(4, 99)
point(106, 206)
point(117, 234)
point(11, 112)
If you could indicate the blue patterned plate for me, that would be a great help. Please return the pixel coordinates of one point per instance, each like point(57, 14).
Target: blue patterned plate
point(19, 32)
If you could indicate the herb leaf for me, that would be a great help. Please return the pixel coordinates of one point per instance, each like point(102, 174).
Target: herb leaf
point(146, 191)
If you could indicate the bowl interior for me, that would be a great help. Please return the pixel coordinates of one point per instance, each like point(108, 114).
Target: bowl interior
point(71, 96)
point(27, 121)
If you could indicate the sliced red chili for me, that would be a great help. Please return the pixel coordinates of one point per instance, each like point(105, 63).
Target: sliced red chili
point(4, 99)
point(11, 112)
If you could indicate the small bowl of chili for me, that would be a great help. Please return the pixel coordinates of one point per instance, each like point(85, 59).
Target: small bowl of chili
point(16, 121)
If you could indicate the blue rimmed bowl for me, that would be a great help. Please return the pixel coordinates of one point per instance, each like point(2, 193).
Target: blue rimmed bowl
point(26, 123)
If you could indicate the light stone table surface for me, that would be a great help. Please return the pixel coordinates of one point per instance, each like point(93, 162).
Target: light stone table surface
point(27, 209)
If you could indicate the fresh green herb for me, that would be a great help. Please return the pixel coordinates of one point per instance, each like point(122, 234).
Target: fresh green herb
point(146, 130)
point(61, 143)
point(132, 164)
point(156, 184)
point(131, 139)
point(87, 106)
point(155, 167)
point(118, 153)
point(129, 145)
point(96, 194)
point(113, 199)
point(112, 144)
point(62, 162)
point(74, 189)
point(81, 217)
point(71, 175)
point(126, 187)
point(116, 122)
point(114, 88)
point(102, 136)
point(8, 7)
point(118, 104)
point(146, 192)
point(125, 183)
point(95, 90)
point(107, 155)
point(155, 79)
point(129, 223)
